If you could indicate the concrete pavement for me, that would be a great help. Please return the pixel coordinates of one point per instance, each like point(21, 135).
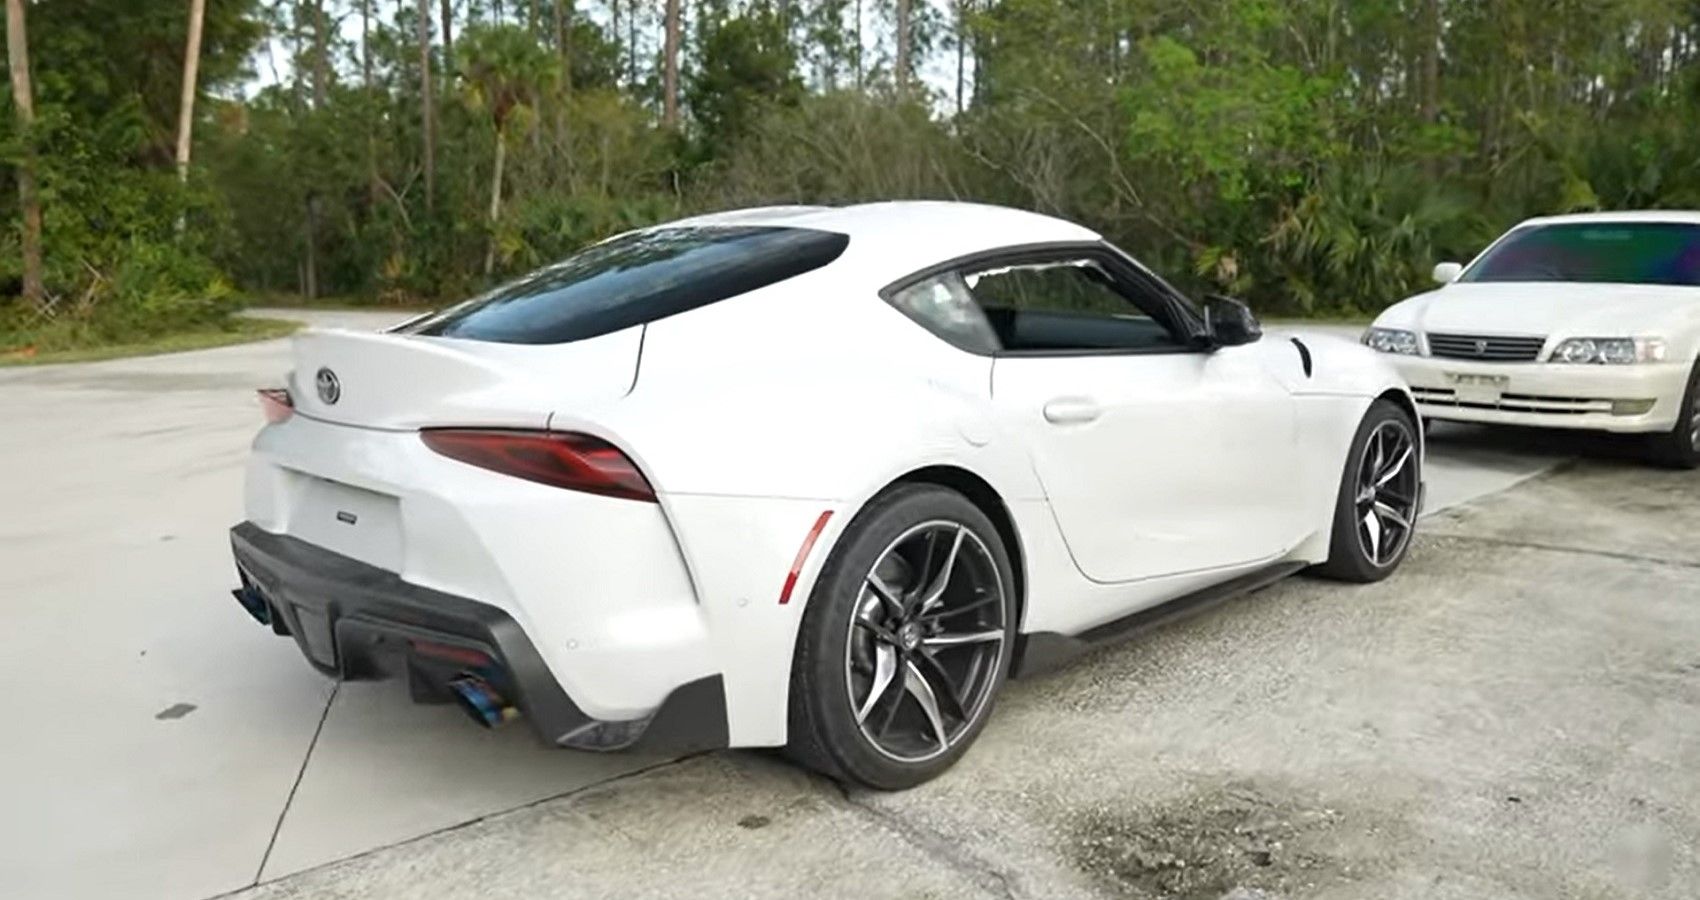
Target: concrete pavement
point(1515, 715)
point(160, 745)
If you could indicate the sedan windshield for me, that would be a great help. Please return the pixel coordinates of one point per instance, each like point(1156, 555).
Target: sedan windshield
point(1599, 253)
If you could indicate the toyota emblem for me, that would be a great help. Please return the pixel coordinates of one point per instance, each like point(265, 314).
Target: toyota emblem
point(330, 390)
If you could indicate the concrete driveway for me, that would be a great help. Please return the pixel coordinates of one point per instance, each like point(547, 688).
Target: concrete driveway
point(160, 745)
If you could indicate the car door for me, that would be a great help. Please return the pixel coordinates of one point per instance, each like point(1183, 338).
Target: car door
point(1158, 458)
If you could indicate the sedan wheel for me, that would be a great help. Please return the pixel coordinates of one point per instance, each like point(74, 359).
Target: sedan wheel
point(1680, 448)
point(905, 643)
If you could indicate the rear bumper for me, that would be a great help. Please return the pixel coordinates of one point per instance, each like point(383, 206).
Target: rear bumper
point(1624, 399)
point(357, 621)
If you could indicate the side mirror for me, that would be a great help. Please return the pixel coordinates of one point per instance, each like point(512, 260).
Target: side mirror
point(1230, 323)
point(1446, 273)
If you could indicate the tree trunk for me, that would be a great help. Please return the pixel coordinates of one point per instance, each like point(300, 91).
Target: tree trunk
point(374, 191)
point(900, 68)
point(191, 72)
point(1431, 61)
point(321, 62)
point(563, 43)
point(631, 53)
point(962, 49)
point(310, 261)
point(448, 36)
point(670, 72)
point(614, 8)
point(427, 113)
point(495, 200)
point(23, 101)
point(859, 45)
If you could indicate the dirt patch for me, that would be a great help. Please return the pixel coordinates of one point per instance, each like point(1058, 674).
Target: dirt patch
point(1233, 842)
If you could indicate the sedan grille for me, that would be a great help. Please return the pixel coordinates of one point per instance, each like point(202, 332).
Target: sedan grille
point(1489, 348)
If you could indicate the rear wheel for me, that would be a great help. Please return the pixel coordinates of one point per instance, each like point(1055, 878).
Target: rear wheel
point(1680, 447)
point(905, 643)
point(1375, 512)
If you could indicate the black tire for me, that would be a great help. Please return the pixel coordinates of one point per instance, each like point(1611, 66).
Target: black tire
point(1348, 557)
point(825, 734)
point(1679, 448)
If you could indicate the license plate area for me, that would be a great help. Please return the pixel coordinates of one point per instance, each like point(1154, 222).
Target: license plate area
point(1470, 387)
point(357, 523)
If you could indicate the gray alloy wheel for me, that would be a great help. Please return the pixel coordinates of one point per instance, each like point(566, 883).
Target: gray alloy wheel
point(1386, 503)
point(1380, 496)
point(926, 642)
point(906, 640)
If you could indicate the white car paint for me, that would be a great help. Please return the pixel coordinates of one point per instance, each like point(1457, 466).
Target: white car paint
point(1150, 476)
point(1559, 395)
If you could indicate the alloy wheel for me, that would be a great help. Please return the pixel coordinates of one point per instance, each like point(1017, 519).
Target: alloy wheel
point(926, 641)
point(1387, 488)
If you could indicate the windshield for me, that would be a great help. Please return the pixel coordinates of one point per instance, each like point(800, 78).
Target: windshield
point(634, 279)
point(1599, 253)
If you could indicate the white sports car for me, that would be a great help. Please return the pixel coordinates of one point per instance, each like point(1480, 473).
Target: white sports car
point(1589, 321)
point(806, 477)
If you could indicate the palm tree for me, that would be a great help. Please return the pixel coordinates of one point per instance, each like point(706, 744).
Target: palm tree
point(505, 70)
point(17, 54)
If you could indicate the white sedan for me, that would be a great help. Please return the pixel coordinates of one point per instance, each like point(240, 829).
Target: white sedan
point(805, 477)
point(1587, 321)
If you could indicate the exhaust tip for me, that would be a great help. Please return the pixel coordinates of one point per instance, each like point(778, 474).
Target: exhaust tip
point(479, 700)
point(255, 604)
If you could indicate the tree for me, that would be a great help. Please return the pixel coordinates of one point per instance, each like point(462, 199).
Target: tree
point(23, 102)
point(505, 71)
point(191, 69)
point(670, 70)
point(905, 34)
point(427, 112)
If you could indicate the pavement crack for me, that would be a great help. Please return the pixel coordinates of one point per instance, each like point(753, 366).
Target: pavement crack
point(299, 774)
point(458, 826)
point(936, 844)
point(1561, 548)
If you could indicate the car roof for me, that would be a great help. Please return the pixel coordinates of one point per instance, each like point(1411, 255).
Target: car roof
point(1666, 216)
point(891, 239)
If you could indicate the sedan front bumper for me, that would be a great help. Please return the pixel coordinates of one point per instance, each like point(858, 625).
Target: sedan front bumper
point(357, 622)
point(1626, 399)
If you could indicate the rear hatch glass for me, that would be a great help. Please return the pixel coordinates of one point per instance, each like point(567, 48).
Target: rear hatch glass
point(634, 279)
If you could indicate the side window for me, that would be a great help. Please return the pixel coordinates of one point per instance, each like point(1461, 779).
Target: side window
point(945, 306)
point(1069, 305)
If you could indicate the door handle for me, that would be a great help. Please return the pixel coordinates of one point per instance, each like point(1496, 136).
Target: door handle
point(1071, 411)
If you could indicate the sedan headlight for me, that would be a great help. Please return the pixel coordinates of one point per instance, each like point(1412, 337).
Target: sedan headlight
point(1609, 351)
point(1391, 340)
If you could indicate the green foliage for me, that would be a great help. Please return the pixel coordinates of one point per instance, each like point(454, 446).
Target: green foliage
point(1298, 153)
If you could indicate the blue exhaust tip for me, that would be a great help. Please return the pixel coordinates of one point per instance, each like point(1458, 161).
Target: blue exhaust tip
point(480, 701)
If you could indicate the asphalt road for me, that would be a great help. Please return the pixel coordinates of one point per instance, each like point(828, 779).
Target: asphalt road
point(1312, 741)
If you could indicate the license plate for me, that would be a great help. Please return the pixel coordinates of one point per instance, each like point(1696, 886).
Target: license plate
point(1472, 388)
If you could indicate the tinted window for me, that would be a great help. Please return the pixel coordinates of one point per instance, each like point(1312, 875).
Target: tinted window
point(635, 279)
point(1625, 253)
point(1071, 305)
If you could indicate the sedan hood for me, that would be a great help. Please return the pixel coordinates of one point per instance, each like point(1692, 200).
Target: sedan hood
point(1548, 308)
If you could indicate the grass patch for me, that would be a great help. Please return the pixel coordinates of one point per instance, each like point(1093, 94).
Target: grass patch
point(68, 344)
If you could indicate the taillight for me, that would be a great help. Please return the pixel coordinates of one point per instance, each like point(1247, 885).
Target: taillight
point(563, 459)
point(276, 404)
